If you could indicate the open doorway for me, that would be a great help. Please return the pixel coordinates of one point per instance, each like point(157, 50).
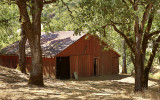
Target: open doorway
point(96, 66)
point(62, 68)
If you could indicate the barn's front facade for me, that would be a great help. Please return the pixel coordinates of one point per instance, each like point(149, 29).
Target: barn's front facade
point(66, 56)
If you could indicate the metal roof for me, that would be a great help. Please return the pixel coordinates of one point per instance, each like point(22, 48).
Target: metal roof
point(51, 43)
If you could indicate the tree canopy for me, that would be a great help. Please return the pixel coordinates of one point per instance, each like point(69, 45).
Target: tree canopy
point(137, 21)
point(9, 24)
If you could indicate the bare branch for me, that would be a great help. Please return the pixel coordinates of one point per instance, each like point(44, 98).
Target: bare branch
point(124, 36)
point(145, 15)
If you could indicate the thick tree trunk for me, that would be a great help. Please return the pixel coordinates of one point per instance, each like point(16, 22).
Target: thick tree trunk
point(22, 56)
point(33, 33)
point(36, 73)
point(124, 67)
point(138, 73)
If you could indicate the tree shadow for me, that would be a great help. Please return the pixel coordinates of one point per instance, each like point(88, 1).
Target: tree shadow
point(9, 76)
point(102, 78)
point(101, 87)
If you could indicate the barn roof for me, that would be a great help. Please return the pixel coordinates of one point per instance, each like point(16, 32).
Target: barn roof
point(51, 44)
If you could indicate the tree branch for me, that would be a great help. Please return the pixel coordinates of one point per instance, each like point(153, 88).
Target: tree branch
point(6, 20)
point(119, 23)
point(153, 33)
point(67, 8)
point(125, 4)
point(145, 15)
point(151, 16)
point(154, 50)
point(131, 2)
point(24, 14)
point(49, 2)
point(146, 37)
point(124, 36)
point(115, 23)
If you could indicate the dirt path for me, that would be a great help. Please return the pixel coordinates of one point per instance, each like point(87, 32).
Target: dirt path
point(13, 85)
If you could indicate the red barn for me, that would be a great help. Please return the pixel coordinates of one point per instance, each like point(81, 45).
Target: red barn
point(65, 54)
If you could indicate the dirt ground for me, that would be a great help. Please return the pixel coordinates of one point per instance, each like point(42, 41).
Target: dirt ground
point(13, 86)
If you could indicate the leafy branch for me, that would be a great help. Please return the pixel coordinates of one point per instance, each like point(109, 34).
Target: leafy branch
point(65, 4)
point(7, 20)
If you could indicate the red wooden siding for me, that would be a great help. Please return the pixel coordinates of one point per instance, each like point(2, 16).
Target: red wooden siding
point(49, 66)
point(12, 61)
point(81, 65)
point(82, 54)
point(115, 66)
point(90, 47)
point(8, 61)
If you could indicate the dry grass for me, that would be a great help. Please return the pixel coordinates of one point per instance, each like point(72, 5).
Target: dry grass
point(13, 85)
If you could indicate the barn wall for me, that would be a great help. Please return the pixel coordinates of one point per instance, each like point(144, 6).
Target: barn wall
point(91, 46)
point(115, 65)
point(49, 64)
point(84, 46)
point(106, 62)
point(9, 61)
point(81, 65)
point(82, 54)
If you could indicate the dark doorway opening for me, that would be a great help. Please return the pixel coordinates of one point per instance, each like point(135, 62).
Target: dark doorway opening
point(96, 66)
point(62, 68)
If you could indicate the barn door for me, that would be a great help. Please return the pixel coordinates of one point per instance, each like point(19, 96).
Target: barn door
point(115, 66)
point(62, 68)
point(96, 66)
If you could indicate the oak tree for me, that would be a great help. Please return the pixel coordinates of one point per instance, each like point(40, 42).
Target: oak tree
point(137, 21)
point(30, 12)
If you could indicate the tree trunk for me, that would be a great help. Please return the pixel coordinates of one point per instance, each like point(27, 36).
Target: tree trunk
point(36, 73)
point(147, 69)
point(124, 67)
point(138, 57)
point(33, 33)
point(22, 57)
point(138, 73)
point(145, 78)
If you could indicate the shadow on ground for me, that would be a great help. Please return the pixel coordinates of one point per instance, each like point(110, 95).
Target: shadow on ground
point(103, 78)
point(13, 85)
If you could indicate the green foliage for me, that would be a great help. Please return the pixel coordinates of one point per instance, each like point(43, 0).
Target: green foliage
point(56, 17)
point(9, 24)
point(97, 15)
